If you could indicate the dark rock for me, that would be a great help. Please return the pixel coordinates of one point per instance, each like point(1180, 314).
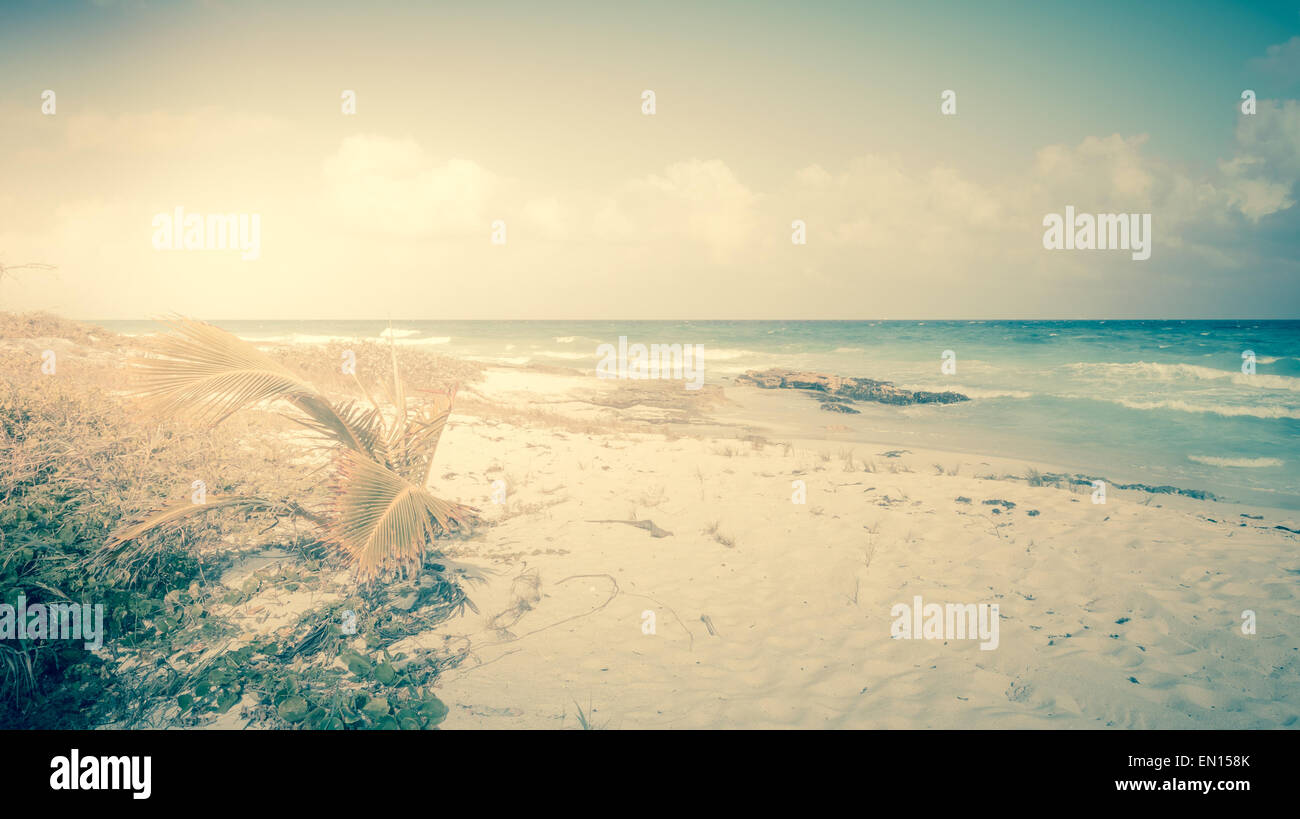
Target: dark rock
point(831, 406)
point(1087, 480)
point(858, 389)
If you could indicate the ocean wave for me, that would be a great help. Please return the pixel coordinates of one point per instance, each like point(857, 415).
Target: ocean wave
point(1240, 463)
point(302, 338)
point(390, 332)
point(1226, 411)
point(969, 392)
point(1194, 372)
point(565, 356)
point(429, 340)
point(726, 353)
point(487, 359)
point(319, 340)
point(850, 349)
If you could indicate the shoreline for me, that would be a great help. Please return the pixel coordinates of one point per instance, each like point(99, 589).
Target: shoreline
point(723, 416)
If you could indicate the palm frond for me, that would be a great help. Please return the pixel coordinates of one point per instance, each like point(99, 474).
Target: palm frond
point(127, 556)
point(421, 442)
point(213, 373)
point(172, 514)
point(383, 427)
point(383, 521)
point(396, 393)
point(365, 426)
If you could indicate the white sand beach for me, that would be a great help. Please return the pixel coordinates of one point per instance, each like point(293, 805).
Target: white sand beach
point(1126, 614)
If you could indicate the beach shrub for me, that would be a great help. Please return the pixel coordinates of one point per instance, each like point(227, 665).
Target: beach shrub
point(69, 471)
point(78, 463)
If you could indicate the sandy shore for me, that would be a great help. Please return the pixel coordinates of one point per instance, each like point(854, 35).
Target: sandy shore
point(770, 613)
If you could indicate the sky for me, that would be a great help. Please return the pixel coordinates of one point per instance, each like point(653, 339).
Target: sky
point(534, 117)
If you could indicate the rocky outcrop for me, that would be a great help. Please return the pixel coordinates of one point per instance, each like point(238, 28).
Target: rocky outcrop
point(835, 389)
point(839, 406)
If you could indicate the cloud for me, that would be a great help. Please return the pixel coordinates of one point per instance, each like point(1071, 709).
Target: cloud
point(882, 230)
point(548, 218)
point(1272, 136)
point(1281, 60)
point(698, 200)
point(903, 216)
point(908, 219)
point(384, 185)
point(1100, 173)
point(878, 211)
point(1259, 180)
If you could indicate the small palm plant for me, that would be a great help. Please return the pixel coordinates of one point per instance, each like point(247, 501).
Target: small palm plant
point(383, 516)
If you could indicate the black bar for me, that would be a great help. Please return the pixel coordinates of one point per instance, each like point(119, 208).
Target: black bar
point(298, 769)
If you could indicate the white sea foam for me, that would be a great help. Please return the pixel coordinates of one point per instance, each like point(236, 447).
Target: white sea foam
point(1157, 371)
point(312, 339)
point(1226, 411)
point(726, 353)
point(1240, 463)
point(565, 356)
point(487, 359)
point(969, 392)
point(301, 338)
point(430, 340)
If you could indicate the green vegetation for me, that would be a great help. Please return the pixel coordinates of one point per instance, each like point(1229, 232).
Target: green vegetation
point(80, 466)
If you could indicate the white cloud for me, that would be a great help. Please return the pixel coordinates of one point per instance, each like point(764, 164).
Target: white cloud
point(698, 199)
point(391, 186)
point(880, 230)
point(1282, 60)
point(547, 218)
